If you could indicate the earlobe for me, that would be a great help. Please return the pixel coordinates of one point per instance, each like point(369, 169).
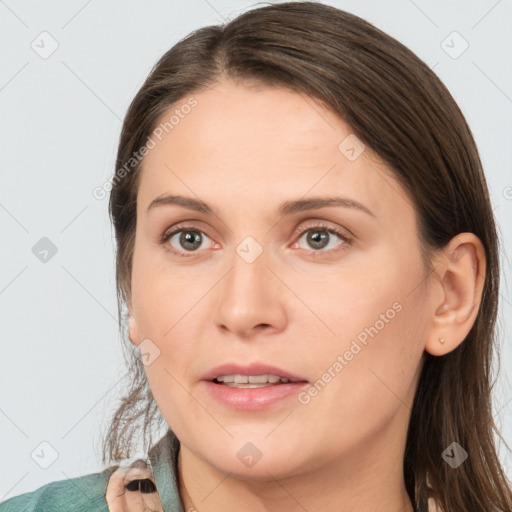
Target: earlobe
point(461, 275)
point(132, 326)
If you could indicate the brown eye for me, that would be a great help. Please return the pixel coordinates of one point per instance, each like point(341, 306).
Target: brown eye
point(319, 238)
point(185, 241)
point(190, 240)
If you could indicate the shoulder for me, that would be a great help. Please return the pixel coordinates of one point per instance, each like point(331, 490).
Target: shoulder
point(129, 486)
point(79, 494)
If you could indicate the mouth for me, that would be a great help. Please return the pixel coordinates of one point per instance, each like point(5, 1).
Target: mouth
point(251, 375)
point(252, 387)
point(251, 381)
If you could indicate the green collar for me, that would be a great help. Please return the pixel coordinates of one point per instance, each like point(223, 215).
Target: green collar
point(164, 461)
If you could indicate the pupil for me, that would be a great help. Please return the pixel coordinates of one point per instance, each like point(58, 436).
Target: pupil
point(317, 239)
point(191, 237)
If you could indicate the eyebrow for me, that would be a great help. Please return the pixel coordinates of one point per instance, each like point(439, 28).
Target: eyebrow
point(286, 208)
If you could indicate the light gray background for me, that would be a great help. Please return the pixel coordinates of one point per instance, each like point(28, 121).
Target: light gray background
point(60, 120)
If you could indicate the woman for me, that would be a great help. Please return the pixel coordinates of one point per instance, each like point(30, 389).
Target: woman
point(307, 264)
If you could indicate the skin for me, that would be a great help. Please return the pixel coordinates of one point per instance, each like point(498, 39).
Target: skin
point(245, 150)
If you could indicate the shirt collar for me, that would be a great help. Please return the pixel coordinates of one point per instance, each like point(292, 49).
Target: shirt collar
point(164, 461)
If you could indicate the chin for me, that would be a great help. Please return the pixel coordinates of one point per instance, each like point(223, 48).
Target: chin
point(248, 455)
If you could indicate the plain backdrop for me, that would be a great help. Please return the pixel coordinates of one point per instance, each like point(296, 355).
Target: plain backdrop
point(68, 72)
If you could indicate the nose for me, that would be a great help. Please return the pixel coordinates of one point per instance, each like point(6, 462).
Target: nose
point(251, 299)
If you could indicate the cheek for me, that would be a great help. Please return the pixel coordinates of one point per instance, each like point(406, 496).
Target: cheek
point(376, 317)
point(168, 308)
point(175, 402)
point(356, 301)
point(164, 295)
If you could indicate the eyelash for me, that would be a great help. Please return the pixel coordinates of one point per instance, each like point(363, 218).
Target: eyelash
point(348, 240)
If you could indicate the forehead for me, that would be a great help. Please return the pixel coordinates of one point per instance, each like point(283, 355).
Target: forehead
point(243, 143)
point(238, 121)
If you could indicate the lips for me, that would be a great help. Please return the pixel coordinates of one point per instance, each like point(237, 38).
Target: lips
point(252, 387)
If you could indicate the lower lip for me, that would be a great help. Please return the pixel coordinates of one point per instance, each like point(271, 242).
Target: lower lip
point(253, 399)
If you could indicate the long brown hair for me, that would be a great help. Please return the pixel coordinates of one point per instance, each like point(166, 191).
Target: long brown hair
point(400, 109)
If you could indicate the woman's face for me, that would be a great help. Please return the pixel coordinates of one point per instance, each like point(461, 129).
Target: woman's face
point(264, 277)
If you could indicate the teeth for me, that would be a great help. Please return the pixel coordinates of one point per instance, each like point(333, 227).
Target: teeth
point(251, 379)
point(248, 386)
point(258, 379)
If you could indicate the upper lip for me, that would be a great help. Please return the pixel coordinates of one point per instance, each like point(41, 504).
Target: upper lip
point(250, 369)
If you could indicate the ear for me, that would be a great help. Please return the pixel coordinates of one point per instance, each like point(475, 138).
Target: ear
point(132, 324)
point(459, 280)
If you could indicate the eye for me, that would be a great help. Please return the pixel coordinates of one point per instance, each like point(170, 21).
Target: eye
point(320, 236)
point(183, 240)
point(186, 241)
